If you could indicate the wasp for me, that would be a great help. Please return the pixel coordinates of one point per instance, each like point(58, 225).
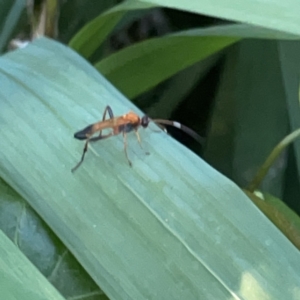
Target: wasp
point(123, 124)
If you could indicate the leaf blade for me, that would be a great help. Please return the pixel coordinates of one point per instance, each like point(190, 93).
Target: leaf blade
point(92, 35)
point(275, 15)
point(137, 68)
point(17, 271)
point(171, 214)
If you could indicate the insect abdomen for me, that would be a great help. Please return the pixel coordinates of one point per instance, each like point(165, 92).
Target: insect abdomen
point(83, 134)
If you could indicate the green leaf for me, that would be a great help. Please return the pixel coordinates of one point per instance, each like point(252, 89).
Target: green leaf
point(80, 12)
point(19, 278)
point(280, 214)
point(34, 238)
point(290, 66)
point(272, 158)
point(92, 35)
point(276, 14)
point(169, 221)
point(223, 120)
point(242, 31)
point(140, 67)
point(180, 86)
point(250, 119)
point(10, 14)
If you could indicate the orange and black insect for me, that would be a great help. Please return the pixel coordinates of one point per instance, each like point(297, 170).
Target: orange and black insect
point(123, 124)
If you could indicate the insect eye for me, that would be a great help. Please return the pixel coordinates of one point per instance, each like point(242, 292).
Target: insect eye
point(145, 121)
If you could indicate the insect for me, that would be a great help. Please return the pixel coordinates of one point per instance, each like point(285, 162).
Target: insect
point(123, 124)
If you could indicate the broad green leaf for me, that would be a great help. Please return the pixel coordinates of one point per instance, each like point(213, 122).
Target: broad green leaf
point(250, 115)
point(223, 121)
point(276, 14)
point(92, 35)
point(242, 31)
point(138, 68)
point(180, 86)
point(10, 13)
point(169, 221)
point(20, 280)
point(289, 220)
point(34, 238)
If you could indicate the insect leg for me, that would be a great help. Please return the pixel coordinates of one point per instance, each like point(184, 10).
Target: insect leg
point(110, 112)
point(111, 115)
point(139, 140)
point(125, 148)
point(82, 157)
point(86, 148)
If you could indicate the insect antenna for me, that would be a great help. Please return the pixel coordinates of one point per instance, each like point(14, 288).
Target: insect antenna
point(187, 130)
